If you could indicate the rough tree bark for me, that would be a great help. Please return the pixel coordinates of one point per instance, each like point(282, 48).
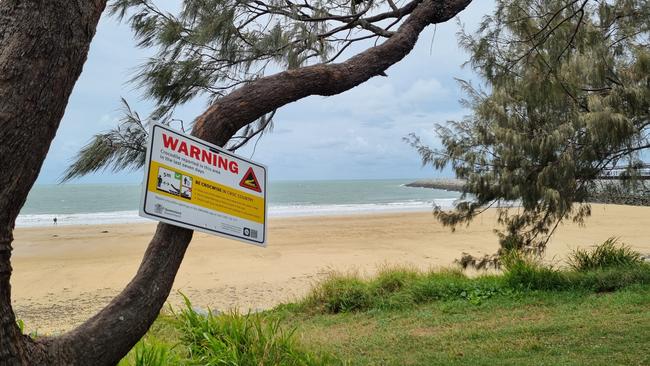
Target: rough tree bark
point(43, 46)
point(108, 336)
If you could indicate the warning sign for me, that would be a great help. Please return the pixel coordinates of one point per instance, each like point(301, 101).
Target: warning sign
point(194, 184)
point(250, 181)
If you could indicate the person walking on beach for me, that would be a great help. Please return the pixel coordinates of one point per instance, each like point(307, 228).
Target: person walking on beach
point(55, 220)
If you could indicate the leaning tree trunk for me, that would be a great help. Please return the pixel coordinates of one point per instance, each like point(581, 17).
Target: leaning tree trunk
point(43, 46)
point(109, 335)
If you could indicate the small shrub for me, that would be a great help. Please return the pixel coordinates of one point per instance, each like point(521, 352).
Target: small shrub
point(606, 255)
point(394, 301)
point(390, 289)
point(440, 286)
point(525, 272)
point(340, 293)
point(483, 289)
point(244, 340)
point(610, 279)
point(430, 290)
point(150, 352)
point(393, 279)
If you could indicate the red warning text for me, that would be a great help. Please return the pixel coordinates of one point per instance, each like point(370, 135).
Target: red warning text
point(199, 153)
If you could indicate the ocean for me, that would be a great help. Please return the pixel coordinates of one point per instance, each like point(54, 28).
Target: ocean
point(91, 204)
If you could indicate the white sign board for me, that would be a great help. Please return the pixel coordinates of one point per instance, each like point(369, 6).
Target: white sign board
point(194, 184)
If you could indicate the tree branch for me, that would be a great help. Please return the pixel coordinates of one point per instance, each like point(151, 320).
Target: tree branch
point(250, 102)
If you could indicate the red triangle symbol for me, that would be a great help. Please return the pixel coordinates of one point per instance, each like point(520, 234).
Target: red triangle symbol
point(250, 181)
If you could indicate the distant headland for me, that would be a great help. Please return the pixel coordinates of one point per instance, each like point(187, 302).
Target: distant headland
point(447, 184)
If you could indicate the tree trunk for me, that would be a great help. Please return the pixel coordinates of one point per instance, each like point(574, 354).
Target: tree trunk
point(108, 336)
point(43, 46)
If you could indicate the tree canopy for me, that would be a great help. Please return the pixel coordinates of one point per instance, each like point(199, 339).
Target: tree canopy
point(209, 48)
point(564, 96)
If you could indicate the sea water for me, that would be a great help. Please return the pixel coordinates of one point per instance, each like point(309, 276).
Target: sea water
point(91, 204)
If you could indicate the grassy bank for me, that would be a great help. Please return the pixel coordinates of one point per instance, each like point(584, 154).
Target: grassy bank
point(595, 312)
point(540, 328)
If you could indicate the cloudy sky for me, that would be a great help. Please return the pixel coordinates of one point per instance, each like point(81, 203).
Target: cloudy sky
point(354, 135)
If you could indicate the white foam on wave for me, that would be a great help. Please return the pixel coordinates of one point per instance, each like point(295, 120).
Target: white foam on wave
point(95, 218)
point(346, 209)
point(124, 217)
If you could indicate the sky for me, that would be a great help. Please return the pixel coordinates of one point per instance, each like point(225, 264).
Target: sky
point(354, 135)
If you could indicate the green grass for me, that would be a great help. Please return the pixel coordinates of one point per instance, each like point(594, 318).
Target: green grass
point(193, 338)
point(240, 339)
point(530, 314)
point(403, 288)
point(526, 274)
point(396, 288)
point(151, 352)
point(538, 327)
point(606, 255)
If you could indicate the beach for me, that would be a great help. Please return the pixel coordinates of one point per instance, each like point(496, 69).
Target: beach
point(64, 274)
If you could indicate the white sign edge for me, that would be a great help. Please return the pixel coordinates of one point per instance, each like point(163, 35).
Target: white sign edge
point(143, 190)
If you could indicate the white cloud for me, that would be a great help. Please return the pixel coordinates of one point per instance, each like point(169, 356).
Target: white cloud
point(423, 91)
point(382, 101)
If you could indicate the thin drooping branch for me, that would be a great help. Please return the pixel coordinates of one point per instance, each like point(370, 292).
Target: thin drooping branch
point(267, 120)
point(255, 34)
point(132, 311)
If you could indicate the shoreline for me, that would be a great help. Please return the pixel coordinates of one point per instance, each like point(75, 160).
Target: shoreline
point(275, 212)
point(64, 274)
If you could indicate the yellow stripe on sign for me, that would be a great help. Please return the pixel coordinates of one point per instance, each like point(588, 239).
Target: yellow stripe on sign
point(183, 187)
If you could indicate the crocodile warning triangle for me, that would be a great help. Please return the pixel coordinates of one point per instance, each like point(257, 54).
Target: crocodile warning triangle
point(250, 181)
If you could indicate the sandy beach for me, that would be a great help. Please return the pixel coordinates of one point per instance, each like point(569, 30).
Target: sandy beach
point(63, 274)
